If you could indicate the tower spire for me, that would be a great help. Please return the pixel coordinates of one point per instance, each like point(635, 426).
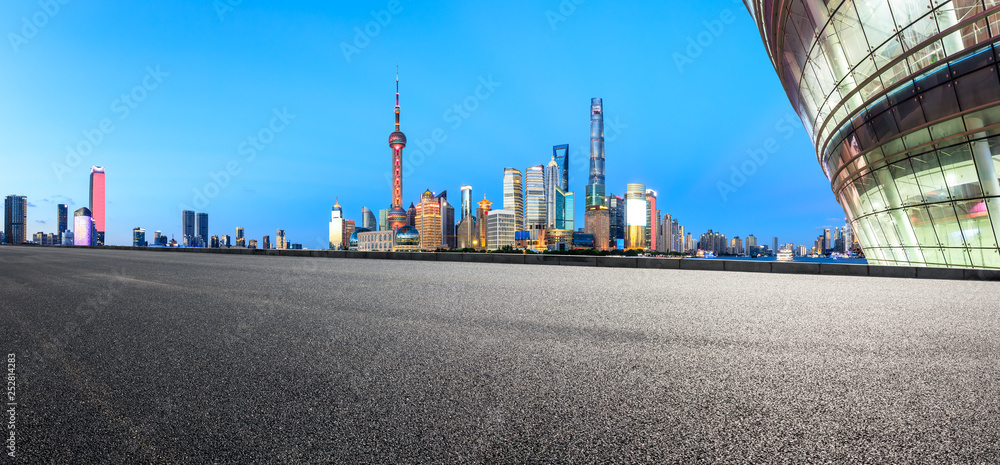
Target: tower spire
point(397, 95)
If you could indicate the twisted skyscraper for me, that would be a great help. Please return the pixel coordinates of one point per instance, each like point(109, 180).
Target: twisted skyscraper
point(596, 216)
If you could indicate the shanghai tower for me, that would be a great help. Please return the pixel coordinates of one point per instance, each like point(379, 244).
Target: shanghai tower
point(397, 140)
point(595, 186)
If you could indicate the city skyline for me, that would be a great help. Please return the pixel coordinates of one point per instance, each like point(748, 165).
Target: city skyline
point(296, 180)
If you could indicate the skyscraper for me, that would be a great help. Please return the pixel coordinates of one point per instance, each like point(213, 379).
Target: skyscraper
point(202, 232)
point(397, 141)
point(568, 211)
point(266, 243)
point(428, 221)
point(337, 228)
point(63, 219)
point(560, 153)
point(513, 195)
point(552, 198)
point(241, 240)
point(448, 238)
point(411, 216)
point(368, 219)
point(596, 223)
point(616, 220)
point(652, 221)
point(138, 237)
point(97, 203)
point(500, 226)
point(466, 203)
point(279, 239)
point(83, 227)
point(595, 184)
point(187, 228)
point(899, 99)
point(15, 219)
point(534, 201)
point(485, 206)
point(635, 217)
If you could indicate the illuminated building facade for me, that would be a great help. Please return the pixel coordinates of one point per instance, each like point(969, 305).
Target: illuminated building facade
point(97, 203)
point(466, 203)
point(635, 217)
point(483, 212)
point(376, 241)
point(396, 216)
point(652, 221)
point(552, 201)
point(338, 228)
point(448, 238)
point(63, 219)
point(83, 227)
point(901, 100)
point(138, 237)
point(597, 223)
point(279, 239)
point(500, 228)
point(616, 220)
point(534, 201)
point(411, 215)
point(513, 195)
point(428, 219)
point(15, 219)
point(594, 195)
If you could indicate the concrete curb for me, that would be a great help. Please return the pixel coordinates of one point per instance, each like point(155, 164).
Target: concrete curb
point(841, 269)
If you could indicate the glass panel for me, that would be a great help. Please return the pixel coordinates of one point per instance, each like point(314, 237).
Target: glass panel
point(946, 225)
point(876, 19)
point(848, 27)
point(947, 128)
point(908, 114)
point(933, 256)
point(929, 177)
point(926, 56)
point(907, 11)
point(957, 257)
point(960, 172)
point(975, 222)
point(939, 102)
point(922, 226)
point(906, 182)
point(985, 258)
point(978, 88)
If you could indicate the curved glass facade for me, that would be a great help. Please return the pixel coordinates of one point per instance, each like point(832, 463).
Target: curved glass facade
point(901, 99)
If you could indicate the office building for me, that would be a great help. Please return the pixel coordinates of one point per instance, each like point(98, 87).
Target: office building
point(596, 223)
point(560, 153)
point(652, 221)
point(411, 216)
point(468, 233)
point(466, 203)
point(500, 226)
point(383, 219)
point(97, 203)
point(265, 243)
point(187, 228)
point(252, 244)
point(513, 195)
point(224, 241)
point(616, 218)
point(449, 240)
point(635, 217)
point(279, 239)
point(138, 237)
point(899, 99)
point(553, 175)
point(368, 219)
point(338, 228)
point(15, 219)
point(428, 221)
point(202, 229)
point(83, 227)
point(241, 240)
point(534, 201)
point(397, 217)
point(62, 218)
point(485, 207)
point(595, 184)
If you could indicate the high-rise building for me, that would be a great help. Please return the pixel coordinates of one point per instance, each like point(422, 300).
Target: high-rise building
point(899, 99)
point(338, 228)
point(97, 203)
point(534, 201)
point(411, 216)
point(138, 237)
point(635, 217)
point(428, 221)
point(448, 238)
point(500, 226)
point(616, 220)
point(62, 218)
point(466, 203)
point(485, 207)
point(467, 233)
point(396, 217)
point(553, 197)
point(652, 221)
point(241, 240)
point(682, 239)
point(568, 210)
point(266, 242)
point(596, 223)
point(383, 219)
point(667, 234)
point(156, 237)
point(560, 153)
point(368, 219)
point(595, 196)
point(349, 228)
point(83, 227)
point(224, 241)
point(187, 228)
point(774, 245)
point(279, 239)
point(15, 219)
point(202, 229)
point(513, 195)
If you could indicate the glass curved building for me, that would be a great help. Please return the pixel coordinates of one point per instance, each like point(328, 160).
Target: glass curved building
point(901, 99)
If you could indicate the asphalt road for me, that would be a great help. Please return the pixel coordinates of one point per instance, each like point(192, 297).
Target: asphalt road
point(147, 357)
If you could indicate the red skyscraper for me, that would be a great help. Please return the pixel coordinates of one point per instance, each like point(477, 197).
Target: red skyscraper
point(97, 203)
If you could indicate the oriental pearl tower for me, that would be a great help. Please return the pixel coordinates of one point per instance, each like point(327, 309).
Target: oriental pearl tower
point(397, 140)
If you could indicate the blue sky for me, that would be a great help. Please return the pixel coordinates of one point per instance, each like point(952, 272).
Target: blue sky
point(295, 99)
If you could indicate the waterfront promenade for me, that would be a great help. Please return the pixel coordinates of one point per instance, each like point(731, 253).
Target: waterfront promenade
point(145, 357)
